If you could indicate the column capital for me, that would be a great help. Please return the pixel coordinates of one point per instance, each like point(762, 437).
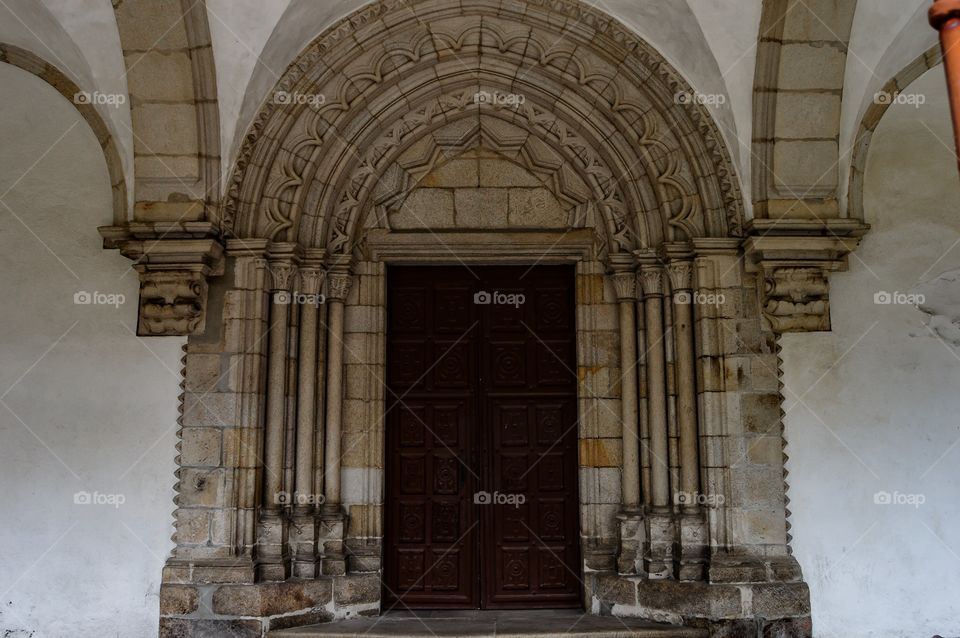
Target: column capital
point(311, 280)
point(650, 277)
point(338, 285)
point(282, 275)
point(681, 274)
point(625, 284)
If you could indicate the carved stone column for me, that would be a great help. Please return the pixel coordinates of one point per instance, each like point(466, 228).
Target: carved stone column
point(631, 527)
point(658, 558)
point(303, 534)
point(273, 558)
point(333, 522)
point(693, 541)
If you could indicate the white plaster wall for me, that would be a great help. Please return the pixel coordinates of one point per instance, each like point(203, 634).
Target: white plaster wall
point(84, 405)
point(887, 35)
point(80, 38)
point(874, 405)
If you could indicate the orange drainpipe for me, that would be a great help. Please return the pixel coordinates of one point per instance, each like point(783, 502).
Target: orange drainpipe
point(945, 18)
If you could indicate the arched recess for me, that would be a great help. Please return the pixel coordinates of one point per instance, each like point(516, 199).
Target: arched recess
point(874, 113)
point(639, 197)
point(173, 94)
point(50, 74)
point(659, 170)
point(798, 87)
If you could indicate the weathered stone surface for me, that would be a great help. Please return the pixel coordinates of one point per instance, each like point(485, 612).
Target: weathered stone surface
point(178, 599)
point(789, 628)
point(690, 599)
point(357, 589)
point(781, 600)
point(197, 628)
point(270, 599)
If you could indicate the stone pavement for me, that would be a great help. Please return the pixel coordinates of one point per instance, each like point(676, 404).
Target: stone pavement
point(503, 624)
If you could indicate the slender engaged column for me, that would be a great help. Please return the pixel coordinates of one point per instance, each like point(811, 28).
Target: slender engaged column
point(651, 278)
point(282, 275)
point(305, 500)
point(272, 556)
point(303, 533)
point(338, 285)
point(626, 286)
point(332, 524)
point(681, 279)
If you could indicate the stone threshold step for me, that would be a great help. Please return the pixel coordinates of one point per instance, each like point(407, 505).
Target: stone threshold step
point(491, 624)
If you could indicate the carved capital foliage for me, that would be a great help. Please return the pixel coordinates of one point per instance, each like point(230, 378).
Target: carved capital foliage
point(681, 275)
point(794, 259)
point(651, 280)
point(174, 261)
point(311, 280)
point(625, 283)
point(282, 275)
point(338, 285)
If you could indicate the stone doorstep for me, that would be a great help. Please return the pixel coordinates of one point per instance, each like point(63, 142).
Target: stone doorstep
point(499, 624)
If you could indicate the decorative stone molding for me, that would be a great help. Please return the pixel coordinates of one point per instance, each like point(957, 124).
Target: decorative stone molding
point(338, 285)
point(174, 261)
point(625, 284)
point(681, 275)
point(269, 198)
point(651, 280)
point(794, 258)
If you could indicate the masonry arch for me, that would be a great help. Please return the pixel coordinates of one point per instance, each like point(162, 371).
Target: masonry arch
point(594, 87)
point(31, 63)
point(617, 169)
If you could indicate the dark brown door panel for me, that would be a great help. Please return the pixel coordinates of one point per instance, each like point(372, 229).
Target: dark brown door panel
point(481, 466)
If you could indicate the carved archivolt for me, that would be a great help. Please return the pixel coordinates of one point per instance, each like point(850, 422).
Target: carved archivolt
point(395, 72)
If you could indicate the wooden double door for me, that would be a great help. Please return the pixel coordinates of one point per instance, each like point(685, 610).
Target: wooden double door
point(482, 507)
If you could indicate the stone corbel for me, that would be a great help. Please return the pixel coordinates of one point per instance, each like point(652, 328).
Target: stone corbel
point(174, 261)
point(794, 259)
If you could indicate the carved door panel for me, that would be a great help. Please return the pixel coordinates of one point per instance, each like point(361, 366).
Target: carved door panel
point(432, 532)
point(481, 467)
point(530, 541)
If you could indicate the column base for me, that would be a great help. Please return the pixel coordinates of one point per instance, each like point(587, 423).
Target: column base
point(691, 561)
point(632, 539)
point(272, 559)
point(303, 544)
point(330, 544)
point(658, 551)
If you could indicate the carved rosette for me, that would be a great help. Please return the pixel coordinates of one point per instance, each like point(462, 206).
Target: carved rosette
point(651, 281)
point(338, 286)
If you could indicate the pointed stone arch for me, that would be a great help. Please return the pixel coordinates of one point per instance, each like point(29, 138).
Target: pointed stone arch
point(656, 160)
